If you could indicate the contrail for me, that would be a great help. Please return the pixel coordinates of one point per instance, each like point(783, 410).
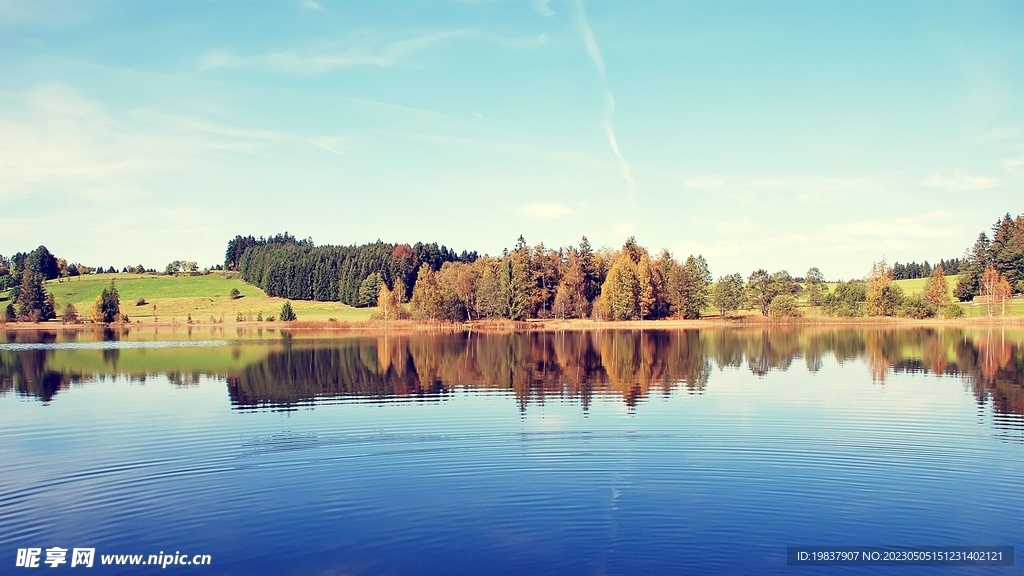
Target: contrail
point(609, 110)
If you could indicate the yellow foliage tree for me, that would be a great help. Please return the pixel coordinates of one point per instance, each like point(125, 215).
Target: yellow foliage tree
point(936, 289)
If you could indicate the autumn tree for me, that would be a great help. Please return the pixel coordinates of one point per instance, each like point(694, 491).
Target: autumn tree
point(990, 287)
point(389, 307)
point(426, 295)
point(571, 294)
point(490, 301)
point(882, 297)
point(648, 287)
point(1003, 293)
point(936, 289)
point(619, 299)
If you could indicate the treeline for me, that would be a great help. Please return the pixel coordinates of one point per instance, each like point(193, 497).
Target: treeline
point(913, 270)
point(994, 268)
point(24, 274)
point(298, 269)
point(571, 282)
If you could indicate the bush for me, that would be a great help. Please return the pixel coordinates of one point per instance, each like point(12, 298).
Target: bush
point(783, 306)
point(235, 294)
point(287, 314)
point(141, 302)
point(916, 307)
point(271, 319)
point(70, 315)
point(953, 310)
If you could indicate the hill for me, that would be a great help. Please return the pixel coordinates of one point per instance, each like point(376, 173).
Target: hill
point(202, 297)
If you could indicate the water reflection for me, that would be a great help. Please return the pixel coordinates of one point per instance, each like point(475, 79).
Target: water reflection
point(284, 371)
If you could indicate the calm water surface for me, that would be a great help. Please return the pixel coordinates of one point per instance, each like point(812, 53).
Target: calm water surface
point(616, 452)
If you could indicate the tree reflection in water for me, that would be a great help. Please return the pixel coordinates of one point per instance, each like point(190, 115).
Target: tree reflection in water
point(630, 364)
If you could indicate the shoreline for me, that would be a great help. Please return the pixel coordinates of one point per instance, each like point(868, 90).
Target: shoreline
point(506, 326)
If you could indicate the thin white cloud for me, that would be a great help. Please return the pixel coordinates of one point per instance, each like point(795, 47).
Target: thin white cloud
point(311, 61)
point(703, 182)
point(55, 139)
point(543, 7)
point(625, 229)
point(999, 134)
point(607, 122)
point(960, 182)
point(312, 5)
point(1014, 165)
point(545, 211)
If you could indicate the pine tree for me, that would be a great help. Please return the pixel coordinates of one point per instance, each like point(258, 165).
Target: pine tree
point(287, 314)
point(34, 303)
point(369, 289)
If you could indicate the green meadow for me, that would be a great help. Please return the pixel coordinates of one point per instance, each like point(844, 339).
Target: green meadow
point(203, 297)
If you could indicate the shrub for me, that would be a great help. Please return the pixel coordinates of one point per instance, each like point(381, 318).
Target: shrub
point(271, 319)
point(141, 302)
point(235, 294)
point(953, 310)
point(287, 314)
point(783, 306)
point(916, 307)
point(70, 315)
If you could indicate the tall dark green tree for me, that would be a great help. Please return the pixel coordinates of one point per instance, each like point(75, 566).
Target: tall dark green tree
point(34, 303)
point(287, 314)
point(107, 307)
point(369, 289)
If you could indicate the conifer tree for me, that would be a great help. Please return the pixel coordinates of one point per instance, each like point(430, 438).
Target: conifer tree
point(287, 314)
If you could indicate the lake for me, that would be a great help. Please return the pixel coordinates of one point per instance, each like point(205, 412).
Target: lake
point(605, 452)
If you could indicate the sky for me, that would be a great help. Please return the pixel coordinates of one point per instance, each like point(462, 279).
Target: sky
point(777, 135)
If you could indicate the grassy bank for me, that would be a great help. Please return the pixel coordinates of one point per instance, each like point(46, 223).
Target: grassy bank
point(202, 297)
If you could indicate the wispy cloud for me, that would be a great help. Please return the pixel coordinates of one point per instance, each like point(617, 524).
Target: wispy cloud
point(607, 121)
point(1014, 165)
point(545, 211)
point(999, 134)
point(311, 61)
point(703, 182)
point(55, 139)
point(543, 7)
point(960, 182)
point(312, 5)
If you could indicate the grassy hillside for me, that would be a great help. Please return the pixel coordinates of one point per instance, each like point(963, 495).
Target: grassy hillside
point(175, 297)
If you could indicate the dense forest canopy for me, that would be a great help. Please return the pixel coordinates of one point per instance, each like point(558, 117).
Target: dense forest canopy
point(1002, 258)
point(298, 269)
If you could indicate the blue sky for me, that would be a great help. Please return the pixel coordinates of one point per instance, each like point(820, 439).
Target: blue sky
point(776, 135)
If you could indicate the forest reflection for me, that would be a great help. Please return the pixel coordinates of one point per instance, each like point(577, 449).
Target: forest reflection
point(536, 365)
